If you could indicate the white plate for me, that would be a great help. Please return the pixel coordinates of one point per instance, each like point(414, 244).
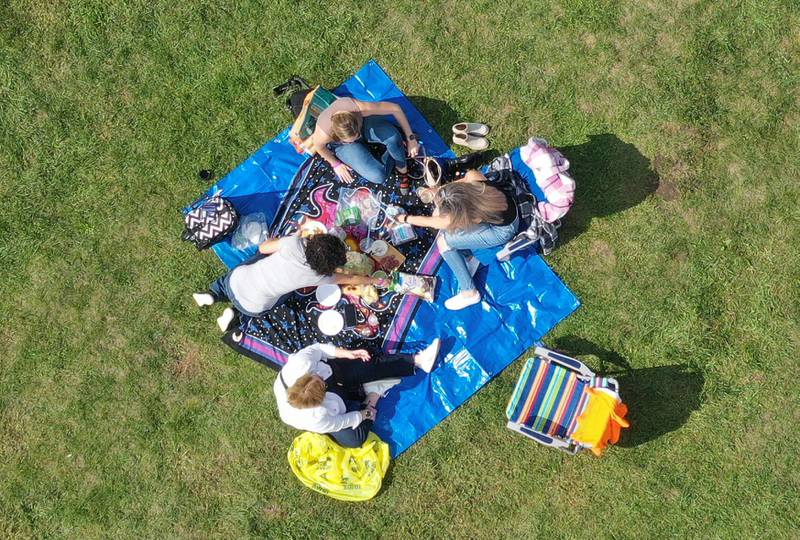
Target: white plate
point(331, 322)
point(328, 295)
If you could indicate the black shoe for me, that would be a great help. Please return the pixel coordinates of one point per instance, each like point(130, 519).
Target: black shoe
point(472, 160)
point(415, 169)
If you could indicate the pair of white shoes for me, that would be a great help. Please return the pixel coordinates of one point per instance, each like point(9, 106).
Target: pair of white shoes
point(224, 320)
point(424, 360)
point(472, 135)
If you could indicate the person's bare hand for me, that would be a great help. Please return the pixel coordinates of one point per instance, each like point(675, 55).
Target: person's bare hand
point(343, 172)
point(413, 148)
point(358, 354)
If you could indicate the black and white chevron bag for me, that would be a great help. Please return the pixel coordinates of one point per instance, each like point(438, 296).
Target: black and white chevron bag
point(210, 220)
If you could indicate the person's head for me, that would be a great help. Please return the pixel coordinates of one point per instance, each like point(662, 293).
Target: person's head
point(345, 127)
point(470, 203)
point(308, 391)
point(325, 253)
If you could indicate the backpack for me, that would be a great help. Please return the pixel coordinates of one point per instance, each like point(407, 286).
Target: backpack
point(305, 104)
point(209, 220)
point(533, 229)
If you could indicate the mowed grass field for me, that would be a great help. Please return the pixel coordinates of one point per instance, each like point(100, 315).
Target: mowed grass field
point(122, 415)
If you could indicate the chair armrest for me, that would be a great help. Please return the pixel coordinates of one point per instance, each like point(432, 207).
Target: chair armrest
point(564, 360)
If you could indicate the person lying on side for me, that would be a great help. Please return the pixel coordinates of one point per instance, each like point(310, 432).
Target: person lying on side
point(344, 128)
point(285, 265)
point(471, 214)
point(318, 388)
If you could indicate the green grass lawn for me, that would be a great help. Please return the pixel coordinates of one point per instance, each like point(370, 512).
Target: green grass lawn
point(121, 413)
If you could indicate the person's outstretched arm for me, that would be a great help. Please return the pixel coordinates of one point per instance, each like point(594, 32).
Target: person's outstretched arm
point(268, 247)
point(353, 279)
point(433, 222)
point(376, 108)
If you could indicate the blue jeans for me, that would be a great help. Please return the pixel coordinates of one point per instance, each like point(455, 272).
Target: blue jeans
point(357, 156)
point(461, 243)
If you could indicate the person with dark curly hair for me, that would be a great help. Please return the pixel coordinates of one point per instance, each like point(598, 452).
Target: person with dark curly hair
point(286, 264)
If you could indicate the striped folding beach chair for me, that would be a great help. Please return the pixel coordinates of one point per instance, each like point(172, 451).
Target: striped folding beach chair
point(550, 395)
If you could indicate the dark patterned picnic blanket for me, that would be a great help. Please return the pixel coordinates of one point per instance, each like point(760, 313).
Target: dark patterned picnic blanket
point(381, 325)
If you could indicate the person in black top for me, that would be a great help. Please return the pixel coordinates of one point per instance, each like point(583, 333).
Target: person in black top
point(472, 214)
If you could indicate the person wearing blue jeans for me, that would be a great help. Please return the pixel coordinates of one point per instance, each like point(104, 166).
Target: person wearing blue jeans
point(472, 214)
point(346, 126)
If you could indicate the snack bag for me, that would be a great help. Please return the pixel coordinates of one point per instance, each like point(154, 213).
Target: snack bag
point(356, 206)
point(367, 292)
point(418, 285)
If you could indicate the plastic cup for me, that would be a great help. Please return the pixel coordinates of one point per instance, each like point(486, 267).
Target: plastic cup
point(365, 244)
point(379, 248)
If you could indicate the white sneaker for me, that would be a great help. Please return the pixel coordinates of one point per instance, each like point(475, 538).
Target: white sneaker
point(460, 301)
point(471, 141)
point(203, 299)
point(426, 358)
point(473, 128)
point(380, 387)
point(224, 320)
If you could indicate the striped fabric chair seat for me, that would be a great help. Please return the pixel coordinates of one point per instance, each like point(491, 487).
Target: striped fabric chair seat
point(549, 398)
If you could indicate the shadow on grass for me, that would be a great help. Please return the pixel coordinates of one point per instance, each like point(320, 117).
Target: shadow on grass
point(611, 176)
point(659, 399)
point(440, 115)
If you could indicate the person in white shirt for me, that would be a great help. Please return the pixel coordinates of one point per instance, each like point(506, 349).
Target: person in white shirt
point(293, 263)
point(317, 389)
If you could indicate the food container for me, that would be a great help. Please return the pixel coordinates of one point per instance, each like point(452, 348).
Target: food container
point(379, 248)
point(401, 233)
point(349, 216)
point(330, 322)
point(328, 295)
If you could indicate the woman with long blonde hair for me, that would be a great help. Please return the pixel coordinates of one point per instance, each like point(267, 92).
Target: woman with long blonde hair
point(471, 214)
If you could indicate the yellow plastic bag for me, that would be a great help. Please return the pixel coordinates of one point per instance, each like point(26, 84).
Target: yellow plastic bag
point(346, 474)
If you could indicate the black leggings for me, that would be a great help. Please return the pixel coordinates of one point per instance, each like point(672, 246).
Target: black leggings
point(346, 381)
point(349, 373)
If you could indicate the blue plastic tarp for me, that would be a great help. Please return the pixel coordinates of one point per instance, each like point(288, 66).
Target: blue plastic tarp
point(522, 298)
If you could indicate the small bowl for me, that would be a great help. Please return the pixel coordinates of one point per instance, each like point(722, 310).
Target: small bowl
point(328, 295)
point(330, 322)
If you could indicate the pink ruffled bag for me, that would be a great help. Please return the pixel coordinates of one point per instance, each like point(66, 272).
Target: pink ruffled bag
point(549, 166)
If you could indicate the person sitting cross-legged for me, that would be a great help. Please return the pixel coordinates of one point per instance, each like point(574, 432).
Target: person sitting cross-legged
point(286, 264)
point(318, 389)
point(344, 128)
point(471, 214)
